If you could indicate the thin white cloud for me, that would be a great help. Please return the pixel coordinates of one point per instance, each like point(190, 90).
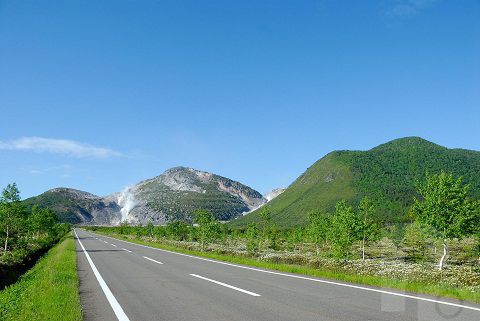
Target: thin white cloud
point(61, 169)
point(64, 147)
point(408, 8)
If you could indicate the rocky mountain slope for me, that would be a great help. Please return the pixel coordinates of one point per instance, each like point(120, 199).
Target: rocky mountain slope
point(386, 174)
point(175, 194)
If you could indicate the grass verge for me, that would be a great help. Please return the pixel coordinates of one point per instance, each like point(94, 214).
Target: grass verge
point(411, 286)
point(49, 291)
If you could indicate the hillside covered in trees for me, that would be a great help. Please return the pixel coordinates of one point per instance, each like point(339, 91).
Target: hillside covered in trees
point(386, 174)
point(25, 234)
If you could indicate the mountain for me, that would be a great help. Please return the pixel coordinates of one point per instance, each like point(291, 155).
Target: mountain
point(74, 206)
point(386, 173)
point(175, 194)
point(272, 194)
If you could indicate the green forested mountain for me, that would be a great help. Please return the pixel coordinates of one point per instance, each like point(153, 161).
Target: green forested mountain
point(70, 205)
point(386, 173)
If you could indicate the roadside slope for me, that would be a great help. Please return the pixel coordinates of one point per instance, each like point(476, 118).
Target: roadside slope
point(49, 291)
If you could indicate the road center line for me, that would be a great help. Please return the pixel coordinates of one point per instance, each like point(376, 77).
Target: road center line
point(111, 298)
point(114, 245)
point(225, 285)
point(309, 279)
point(152, 260)
point(127, 250)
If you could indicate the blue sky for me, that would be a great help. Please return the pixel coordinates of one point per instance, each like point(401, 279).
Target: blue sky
point(99, 95)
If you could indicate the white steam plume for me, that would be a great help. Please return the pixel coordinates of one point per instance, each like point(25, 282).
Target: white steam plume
point(127, 201)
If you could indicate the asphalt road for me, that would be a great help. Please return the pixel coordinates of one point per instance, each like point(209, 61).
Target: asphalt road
point(125, 281)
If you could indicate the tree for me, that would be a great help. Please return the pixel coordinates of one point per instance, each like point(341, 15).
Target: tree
point(344, 229)
point(265, 225)
point(418, 238)
point(225, 232)
point(295, 237)
point(149, 229)
point(446, 207)
point(476, 246)
point(12, 213)
point(234, 236)
point(61, 229)
point(207, 226)
point(42, 220)
point(177, 230)
point(252, 244)
point(318, 228)
point(368, 228)
point(139, 232)
point(123, 229)
point(396, 234)
point(273, 240)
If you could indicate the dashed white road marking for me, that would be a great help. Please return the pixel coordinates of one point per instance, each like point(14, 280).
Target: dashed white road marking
point(225, 285)
point(152, 260)
point(113, 245)
point(127, 250)
point(309, 278)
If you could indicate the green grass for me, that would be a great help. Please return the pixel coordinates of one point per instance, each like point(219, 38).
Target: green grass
point(413, 286)
point(49, 291)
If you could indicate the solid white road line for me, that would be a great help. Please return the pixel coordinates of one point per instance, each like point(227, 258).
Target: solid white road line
point(127, 250)
point(309, 279)
point(111, 298)
point(152, 260)
point(225, 285)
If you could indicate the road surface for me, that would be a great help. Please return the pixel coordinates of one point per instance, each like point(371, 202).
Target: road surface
point(120, 280)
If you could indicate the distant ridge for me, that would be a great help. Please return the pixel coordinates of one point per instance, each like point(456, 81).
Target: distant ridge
point(175, 194)
point(386, 173)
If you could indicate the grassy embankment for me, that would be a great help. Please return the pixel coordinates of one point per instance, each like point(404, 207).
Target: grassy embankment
point(49, 291)
point(355, 271)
